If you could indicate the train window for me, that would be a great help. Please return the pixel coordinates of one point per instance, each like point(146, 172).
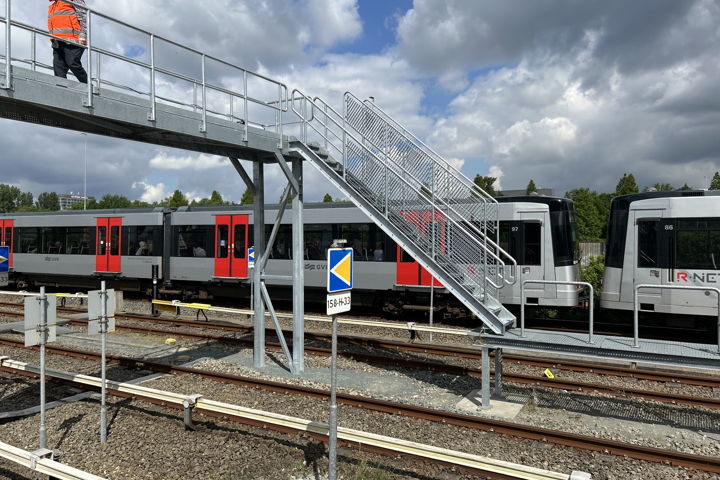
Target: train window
point(533, 245)
point(239, 245)
point(282, 248)
point(221, 241)
point(102, 240)
point(142, 240)
point(28, 239)
point(698, 244)
point(193, 241)
point(648, 243)
point(79, 241)
point(318, 238)
point(115, 240)
point(358, 238)
point(564, 238)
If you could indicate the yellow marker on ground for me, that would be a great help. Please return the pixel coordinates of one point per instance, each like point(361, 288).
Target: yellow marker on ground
point(170, 341)
point(549, 374)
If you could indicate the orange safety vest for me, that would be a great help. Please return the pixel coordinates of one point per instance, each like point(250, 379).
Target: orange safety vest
point(63, 21)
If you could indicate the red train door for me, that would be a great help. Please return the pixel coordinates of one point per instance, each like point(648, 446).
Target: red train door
point(408, 271)
point(231, 243)
point(108, 248)
point(6, 237)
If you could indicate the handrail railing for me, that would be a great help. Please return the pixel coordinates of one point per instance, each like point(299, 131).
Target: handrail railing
point(447, 206)
point(279, 104)
point(425, 147)
point(557, 282)
point(636, 316)
point(302, 115)
point(456, 175)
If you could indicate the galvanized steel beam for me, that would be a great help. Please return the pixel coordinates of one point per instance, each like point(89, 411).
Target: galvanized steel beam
point(259, 243)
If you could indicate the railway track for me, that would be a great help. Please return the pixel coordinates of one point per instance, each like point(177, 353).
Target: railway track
point(432, 349)
point(657, 455)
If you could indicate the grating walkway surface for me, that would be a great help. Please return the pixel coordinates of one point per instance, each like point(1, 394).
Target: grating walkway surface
point(657, 352)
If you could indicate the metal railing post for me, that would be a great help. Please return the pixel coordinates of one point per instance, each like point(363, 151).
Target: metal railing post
point(203, 127)
point(636, 316)
point(43, 340)
point(88, 40)
point(522, 309)
point(153, 111)
point(245, 106)
point(8, 47)
point(280, 118)
point(33, 52)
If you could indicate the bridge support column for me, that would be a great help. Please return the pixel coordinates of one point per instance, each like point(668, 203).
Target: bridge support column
point(259, 243)
point(298, 351)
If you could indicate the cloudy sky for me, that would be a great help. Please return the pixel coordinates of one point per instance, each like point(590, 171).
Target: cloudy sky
point(569, 93)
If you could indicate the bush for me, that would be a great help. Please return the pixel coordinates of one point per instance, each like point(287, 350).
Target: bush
point(593, 273)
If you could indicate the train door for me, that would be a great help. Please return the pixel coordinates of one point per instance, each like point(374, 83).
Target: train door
point(650, 245)
point(108, 248)
point(6, 237)
point(231, 243)
point(527, 241)
point(408, 271)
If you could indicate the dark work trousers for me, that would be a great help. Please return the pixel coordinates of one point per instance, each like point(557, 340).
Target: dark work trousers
point(67, 57)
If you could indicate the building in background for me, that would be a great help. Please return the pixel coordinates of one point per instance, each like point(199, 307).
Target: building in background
point(67, 201)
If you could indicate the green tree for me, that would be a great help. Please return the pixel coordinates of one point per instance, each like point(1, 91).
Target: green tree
point(627, 185)
point(177, 199)
point(25, 200)
point(594, 272)
point(11, 198)
point(685, 187)
point(247, 198)
point(214, 199)
point(590, 214)
point(531, 188)
point(486, 184)
point(327, 198)
point(110, 201)
point(715, 184)
point(48, 201)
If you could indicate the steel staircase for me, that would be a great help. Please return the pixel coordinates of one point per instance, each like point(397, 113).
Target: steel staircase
point(435, 213)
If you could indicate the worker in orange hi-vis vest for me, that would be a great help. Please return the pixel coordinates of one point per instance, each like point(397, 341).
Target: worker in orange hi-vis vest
point(67, 23)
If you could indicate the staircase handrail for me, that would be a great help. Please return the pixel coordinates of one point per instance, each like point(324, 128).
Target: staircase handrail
point(280, 105)
point(469, 183)
point(501, 264)
point(511, 279)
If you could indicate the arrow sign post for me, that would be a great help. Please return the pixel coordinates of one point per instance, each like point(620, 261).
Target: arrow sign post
point(339, 284)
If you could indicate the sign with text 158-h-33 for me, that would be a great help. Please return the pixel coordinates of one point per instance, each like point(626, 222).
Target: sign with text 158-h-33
point(339, 280)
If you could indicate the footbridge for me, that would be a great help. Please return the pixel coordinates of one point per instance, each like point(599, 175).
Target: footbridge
point(205, 104)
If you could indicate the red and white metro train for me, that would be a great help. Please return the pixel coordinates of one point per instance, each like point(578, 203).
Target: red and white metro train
point(202, 251)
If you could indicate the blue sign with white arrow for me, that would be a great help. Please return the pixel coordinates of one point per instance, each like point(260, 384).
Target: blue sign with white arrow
point(4, 259)
point(340, 270)
point(251, 256)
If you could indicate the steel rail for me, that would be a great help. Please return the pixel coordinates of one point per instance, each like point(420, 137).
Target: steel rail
point(574, 385)
point(584, 442)
point(285, 423)
point(430, 349)
point(45, 466)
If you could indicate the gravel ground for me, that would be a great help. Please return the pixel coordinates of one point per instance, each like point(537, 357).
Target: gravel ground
point(642, 422)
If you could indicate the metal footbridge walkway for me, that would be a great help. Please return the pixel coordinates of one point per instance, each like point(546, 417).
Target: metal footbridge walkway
point(435, 213)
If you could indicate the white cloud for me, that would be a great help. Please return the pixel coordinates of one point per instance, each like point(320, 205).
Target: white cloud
point(165, 161)
point(151, 193)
